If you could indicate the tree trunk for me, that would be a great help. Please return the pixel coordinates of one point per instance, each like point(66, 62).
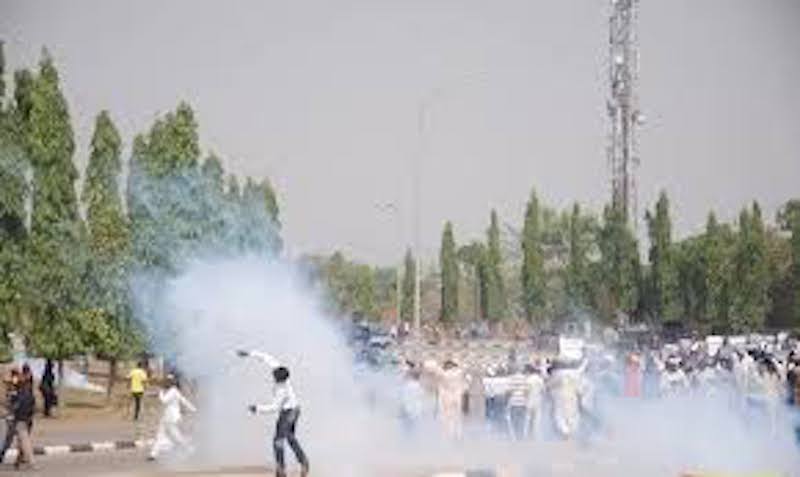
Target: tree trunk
point(60, 365)
point(112, 376)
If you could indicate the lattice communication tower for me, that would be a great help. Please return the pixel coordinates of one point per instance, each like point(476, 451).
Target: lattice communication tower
point(623, 107)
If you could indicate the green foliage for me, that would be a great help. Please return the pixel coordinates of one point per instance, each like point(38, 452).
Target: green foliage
point(662, 285)
point(351, 286)
point(718, 244)
point(620, 270)
point(13, 234)
point(179, 208)
point(750, 298)
point(582, 232)
point(789, 220)
point(533, 275)
point(106, 323)
point(448, 263)
point(23, 96)
point(407, 288)
point(165, 183)
point(259, 218)
point(58, 246)
point(494, 294)
point(64, 284)
point(691, 294)
point(473, 256)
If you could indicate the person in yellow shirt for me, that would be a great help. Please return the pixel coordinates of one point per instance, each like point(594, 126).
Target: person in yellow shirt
point(138, 380)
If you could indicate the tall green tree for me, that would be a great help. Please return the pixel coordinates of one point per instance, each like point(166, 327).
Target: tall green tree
point(473, 256)
point(620, 266)
point(167, 213)
point(108, 323)
point(789, 220)
point(363, 291)
point(261, 225)
point(215, 227)
point(662, 277)
point(750, 300)
point(448, 263)
point(690, 293)
point(582, 231)
point(407, 299)
point(351, 286)
point(717, 256)
point(14, 192)
point(533, 275)
point(58, 239)
point(494, 296)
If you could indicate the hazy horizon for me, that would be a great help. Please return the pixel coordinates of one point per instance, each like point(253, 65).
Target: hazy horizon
point(322, 97)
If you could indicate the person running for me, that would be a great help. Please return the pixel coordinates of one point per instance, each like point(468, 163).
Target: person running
point(169, 432)
point(287, 406)
point(47, 386)
point(138, 380)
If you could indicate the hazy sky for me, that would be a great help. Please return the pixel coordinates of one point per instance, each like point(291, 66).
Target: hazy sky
point(322, 96)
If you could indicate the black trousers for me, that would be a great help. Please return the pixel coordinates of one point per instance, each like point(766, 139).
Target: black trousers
point(50, 399)
point(137, 405)
point(285, 432)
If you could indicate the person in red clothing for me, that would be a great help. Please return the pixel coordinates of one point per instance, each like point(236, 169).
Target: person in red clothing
point(633, 376)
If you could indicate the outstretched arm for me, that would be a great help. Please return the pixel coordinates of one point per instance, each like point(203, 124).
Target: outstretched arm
point(265, 358)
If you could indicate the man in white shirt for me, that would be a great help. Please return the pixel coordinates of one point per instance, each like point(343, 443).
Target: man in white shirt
point(285, 403)
point(169, 432)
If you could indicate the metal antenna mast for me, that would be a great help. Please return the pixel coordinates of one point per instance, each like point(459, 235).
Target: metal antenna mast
point(623, 107)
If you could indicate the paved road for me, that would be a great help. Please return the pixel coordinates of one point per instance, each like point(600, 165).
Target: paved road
point(133, 464)
point(117, 464)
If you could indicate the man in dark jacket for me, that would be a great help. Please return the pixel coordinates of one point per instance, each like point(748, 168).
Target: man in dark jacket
point(12, 388)
point(24, 407)
point(20, 422)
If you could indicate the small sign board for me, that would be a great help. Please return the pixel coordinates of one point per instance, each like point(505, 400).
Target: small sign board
point(713, 344)
point(570, 348)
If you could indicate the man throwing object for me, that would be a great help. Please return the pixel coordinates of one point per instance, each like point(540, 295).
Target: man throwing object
point(285, 403)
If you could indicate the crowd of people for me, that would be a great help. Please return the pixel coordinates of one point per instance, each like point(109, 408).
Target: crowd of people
point(536, 396)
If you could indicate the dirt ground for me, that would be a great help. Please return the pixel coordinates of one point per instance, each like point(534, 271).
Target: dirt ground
point(84, 416)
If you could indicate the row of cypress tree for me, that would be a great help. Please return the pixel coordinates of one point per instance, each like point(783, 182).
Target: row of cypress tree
point(67, 260)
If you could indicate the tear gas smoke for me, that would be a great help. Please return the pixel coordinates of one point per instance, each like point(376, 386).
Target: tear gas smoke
point(349, 421)
point(216, 307)
point(214, 303)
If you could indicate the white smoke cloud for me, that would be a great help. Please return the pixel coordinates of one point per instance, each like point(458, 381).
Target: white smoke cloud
point(217, 306)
